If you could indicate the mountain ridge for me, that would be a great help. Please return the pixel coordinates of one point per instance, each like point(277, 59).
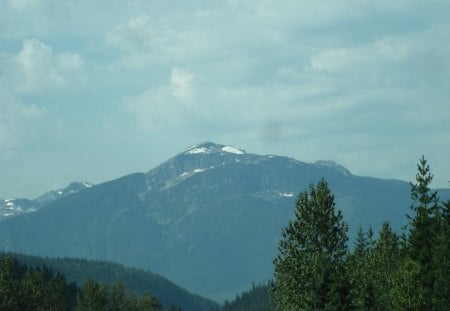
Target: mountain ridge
point(207, 218)
point(19, 206)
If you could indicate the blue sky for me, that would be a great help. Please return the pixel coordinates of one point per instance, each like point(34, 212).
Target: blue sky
point(93, 90)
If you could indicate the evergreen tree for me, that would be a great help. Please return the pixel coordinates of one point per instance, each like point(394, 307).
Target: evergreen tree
point(424, 228)
point(407, 292)
point(34, 288)
point(148, 302)
point(359, 271)
point(173, 308)
point(120, 299)
point(10, 289)
point(441, 261)
point(384, 263)
point(92, 297)
point(309, 267)
point(425, 205)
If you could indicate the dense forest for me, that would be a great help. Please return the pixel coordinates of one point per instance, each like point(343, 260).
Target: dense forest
point(136, 281)
point(315, 271)
point(24, 288)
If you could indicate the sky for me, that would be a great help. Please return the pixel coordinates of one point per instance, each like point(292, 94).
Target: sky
point(94, 90)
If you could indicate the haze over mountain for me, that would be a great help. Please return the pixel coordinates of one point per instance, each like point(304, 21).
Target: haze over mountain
point(209, 218)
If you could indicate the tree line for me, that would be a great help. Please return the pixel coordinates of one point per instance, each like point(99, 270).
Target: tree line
point(315, 270)
point(38, 289)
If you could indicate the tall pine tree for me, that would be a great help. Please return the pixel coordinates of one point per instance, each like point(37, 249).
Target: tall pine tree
point(441, 261)
point(309, 270)
point(424, 227)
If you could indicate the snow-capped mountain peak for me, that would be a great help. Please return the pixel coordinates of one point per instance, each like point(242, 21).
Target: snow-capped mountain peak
point(209, 147)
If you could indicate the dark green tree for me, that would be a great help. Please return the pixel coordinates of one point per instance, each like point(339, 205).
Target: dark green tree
point(173, 308)
point(359, 272)
point(92, 297)
point(384, 261)
point(148, 302)
point(10, 287)
point(120, 299)
point(35, 290)
point(424, 228)
point(407, 292)
point(441, 261)
point(309, 269)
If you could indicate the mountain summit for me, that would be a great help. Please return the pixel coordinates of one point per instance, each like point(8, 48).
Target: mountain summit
point(209, 218)
point(209, 147)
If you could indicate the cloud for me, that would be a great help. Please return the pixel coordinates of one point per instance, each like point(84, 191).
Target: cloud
point(22, 4)
point(180, 82)
point(165, 106)
point(350, 80)
point(39, 67)
point(18, 121)
point(134, 35)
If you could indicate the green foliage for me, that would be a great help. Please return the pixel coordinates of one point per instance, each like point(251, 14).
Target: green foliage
point(359, 272)
point(149, 302)
point(380, 274)
point(38, 289)
point(407, 291)
point(9, 284)
point(25, 289)
point(136, 281)
point(309, 269)
point(92, 297)
point(121, 300)
point(441, 261)
point(428, 242)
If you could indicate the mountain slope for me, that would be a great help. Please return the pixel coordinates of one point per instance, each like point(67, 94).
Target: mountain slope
point(209, 218)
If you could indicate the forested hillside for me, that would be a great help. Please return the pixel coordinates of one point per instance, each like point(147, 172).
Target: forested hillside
point(137, 282)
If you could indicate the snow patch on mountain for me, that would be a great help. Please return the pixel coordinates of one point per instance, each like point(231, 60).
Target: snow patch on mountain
point(197, 170)
point(285, 194)
point(87, 184)
point(230, 149)
point(209, 147)
point(198, 150)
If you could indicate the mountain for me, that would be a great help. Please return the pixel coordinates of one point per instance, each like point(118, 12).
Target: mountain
point(209, 218)
point(135, 280)
point(14, 207)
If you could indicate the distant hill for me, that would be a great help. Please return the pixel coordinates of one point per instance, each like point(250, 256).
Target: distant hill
point(136, 280)
point(209, 218)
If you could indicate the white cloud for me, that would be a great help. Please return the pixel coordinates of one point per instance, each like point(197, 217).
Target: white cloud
point(38, 67)
point(385, 51)
point(22, 4)
point(164, 106)
point(345, 80)
point(180, 82)
point(136, 34)
point(18, 121)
